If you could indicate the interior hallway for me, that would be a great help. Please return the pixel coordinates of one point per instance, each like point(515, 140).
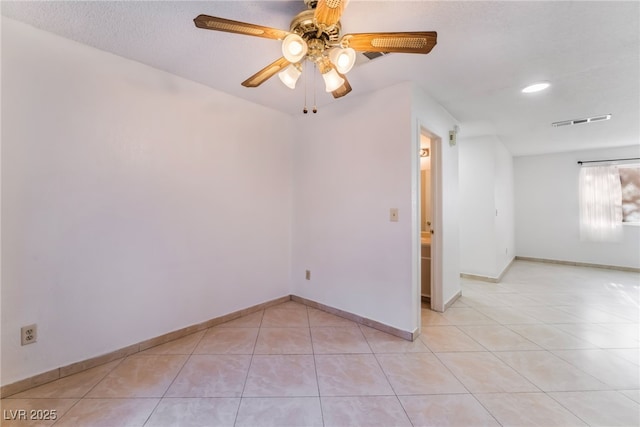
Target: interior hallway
point(549, 345)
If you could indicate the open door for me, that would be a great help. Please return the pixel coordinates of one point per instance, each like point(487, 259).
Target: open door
point(428, 221)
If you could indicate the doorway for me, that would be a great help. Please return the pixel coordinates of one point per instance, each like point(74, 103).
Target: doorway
point(428, 227)
point(425, 219)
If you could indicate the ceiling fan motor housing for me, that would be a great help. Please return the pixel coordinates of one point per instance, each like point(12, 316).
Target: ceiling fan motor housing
point(317, 39)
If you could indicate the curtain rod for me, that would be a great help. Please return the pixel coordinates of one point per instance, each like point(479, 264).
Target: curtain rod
point(609, 160)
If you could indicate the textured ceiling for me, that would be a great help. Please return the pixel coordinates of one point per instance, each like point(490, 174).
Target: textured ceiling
point(486, 53)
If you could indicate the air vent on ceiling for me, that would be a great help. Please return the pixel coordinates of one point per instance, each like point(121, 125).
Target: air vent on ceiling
point(374, 55)
point(580, 121)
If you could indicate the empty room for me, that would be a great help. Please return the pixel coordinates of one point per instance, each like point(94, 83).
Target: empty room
point(320, 213)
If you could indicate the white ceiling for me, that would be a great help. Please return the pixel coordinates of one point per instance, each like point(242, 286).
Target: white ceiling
point(486, 53)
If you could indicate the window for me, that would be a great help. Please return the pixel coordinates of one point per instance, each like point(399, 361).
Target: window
point(630, 183)
point(600, 204)
point(609, 198)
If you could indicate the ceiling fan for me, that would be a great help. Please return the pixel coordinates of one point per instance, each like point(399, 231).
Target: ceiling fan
point(315, 35)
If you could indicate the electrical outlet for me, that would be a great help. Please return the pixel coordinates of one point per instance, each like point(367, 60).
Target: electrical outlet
point(28, 334)
point(307, 274)
point(393, 214)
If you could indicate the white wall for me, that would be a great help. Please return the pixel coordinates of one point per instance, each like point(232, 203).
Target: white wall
point(345, 182)
point(477, 206)
point(505, 226)
point(487, 230)
point(134, 202)
point(352, 163)
point(547, 211)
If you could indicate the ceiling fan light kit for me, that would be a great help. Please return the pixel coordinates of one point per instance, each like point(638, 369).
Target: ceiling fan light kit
point(343, 58)
point(294, 48)
point(332, 80)
point(315, 36)
point(290, 75)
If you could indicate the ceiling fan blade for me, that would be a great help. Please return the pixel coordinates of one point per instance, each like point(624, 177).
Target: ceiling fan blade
point(266, 73)
point(406, 42)
point(342, 90)
point(221, 24)
point(328, 12)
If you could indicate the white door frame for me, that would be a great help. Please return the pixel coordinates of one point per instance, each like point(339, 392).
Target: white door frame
point(437, 301)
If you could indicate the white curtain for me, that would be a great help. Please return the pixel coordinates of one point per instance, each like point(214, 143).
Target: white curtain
point(600, 204)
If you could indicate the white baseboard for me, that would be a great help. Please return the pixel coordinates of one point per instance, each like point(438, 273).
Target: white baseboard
point(489, 278)
point(578, 264)
point(452, 300)
point(74, 368)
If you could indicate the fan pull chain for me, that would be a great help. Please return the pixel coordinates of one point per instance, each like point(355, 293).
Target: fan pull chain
point(315, 109)
point(304, 77)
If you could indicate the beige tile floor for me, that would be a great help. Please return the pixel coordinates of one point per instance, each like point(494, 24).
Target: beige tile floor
point(550, 345)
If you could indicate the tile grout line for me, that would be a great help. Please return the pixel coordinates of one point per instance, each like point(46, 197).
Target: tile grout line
point(88, 391)
point(315, 367)
point(566, 408)
point(550, 352)
point(177, 375)
point(469, 391)
point(246, 378)
point(621, 359)
point(485, 408)
point(544, 349)
point(67, 411)
point(395, 393)
point(487, 350)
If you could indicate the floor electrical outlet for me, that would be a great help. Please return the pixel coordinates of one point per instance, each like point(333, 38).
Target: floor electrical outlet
point(28, 334)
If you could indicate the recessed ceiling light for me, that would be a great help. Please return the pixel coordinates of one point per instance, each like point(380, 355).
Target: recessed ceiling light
point(536, 87)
